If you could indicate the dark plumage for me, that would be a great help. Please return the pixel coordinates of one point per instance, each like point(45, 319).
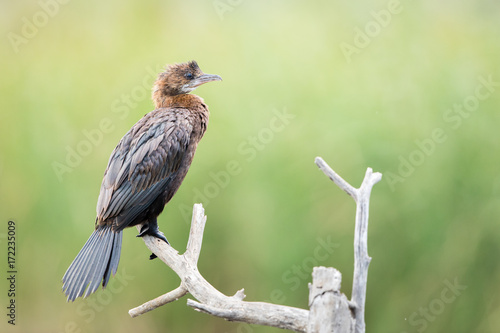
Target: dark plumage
point(144, 171)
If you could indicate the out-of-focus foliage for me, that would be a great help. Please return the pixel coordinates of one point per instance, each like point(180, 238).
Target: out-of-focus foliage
point(396, 86)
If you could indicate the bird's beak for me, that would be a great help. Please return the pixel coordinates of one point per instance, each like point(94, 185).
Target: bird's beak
point(204, 78)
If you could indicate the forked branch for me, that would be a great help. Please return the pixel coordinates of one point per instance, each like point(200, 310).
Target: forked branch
point(330, 311)
point(210, 300)
point(361, 258)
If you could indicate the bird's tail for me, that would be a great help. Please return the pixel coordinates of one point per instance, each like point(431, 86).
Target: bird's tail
point(95, 262)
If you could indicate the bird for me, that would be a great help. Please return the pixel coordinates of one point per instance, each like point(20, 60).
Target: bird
point(144, 172)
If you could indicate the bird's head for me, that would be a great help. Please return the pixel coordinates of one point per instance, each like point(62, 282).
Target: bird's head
point(181, 79)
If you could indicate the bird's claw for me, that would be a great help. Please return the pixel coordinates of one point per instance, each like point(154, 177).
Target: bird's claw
point(155, 232)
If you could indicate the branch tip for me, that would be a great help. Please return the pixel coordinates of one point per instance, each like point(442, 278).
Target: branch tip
point(240, 294)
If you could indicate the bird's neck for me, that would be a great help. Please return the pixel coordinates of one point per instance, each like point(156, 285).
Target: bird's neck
point(189, 101)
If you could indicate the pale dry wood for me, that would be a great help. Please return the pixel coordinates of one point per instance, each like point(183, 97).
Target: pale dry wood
point(329, 310)
point(171, 296)
point(361, 258)
point(258, 313)
point(345, 186)
point(210, 300)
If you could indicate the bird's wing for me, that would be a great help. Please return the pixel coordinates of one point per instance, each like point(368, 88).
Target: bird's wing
point(142, 164)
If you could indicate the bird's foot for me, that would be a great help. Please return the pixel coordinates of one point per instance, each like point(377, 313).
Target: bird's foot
point(155, 232)
point(146, 229)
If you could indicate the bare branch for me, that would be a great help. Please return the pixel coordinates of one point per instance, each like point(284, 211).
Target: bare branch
point(192, 254)
point(210, 299)
point(335, 177)
point(329, 309)
point(258, 313)
point(361, 258)
point(171, 296)
point(196, 234)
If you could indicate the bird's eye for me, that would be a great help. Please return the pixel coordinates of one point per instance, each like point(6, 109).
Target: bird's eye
point(188, 75)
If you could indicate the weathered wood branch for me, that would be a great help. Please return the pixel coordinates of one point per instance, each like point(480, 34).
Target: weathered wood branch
point(330, 311)
point(210, 299)
point(171, 296)
point(361, 258)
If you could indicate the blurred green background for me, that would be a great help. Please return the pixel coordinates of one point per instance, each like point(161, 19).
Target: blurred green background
point(396, 87)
